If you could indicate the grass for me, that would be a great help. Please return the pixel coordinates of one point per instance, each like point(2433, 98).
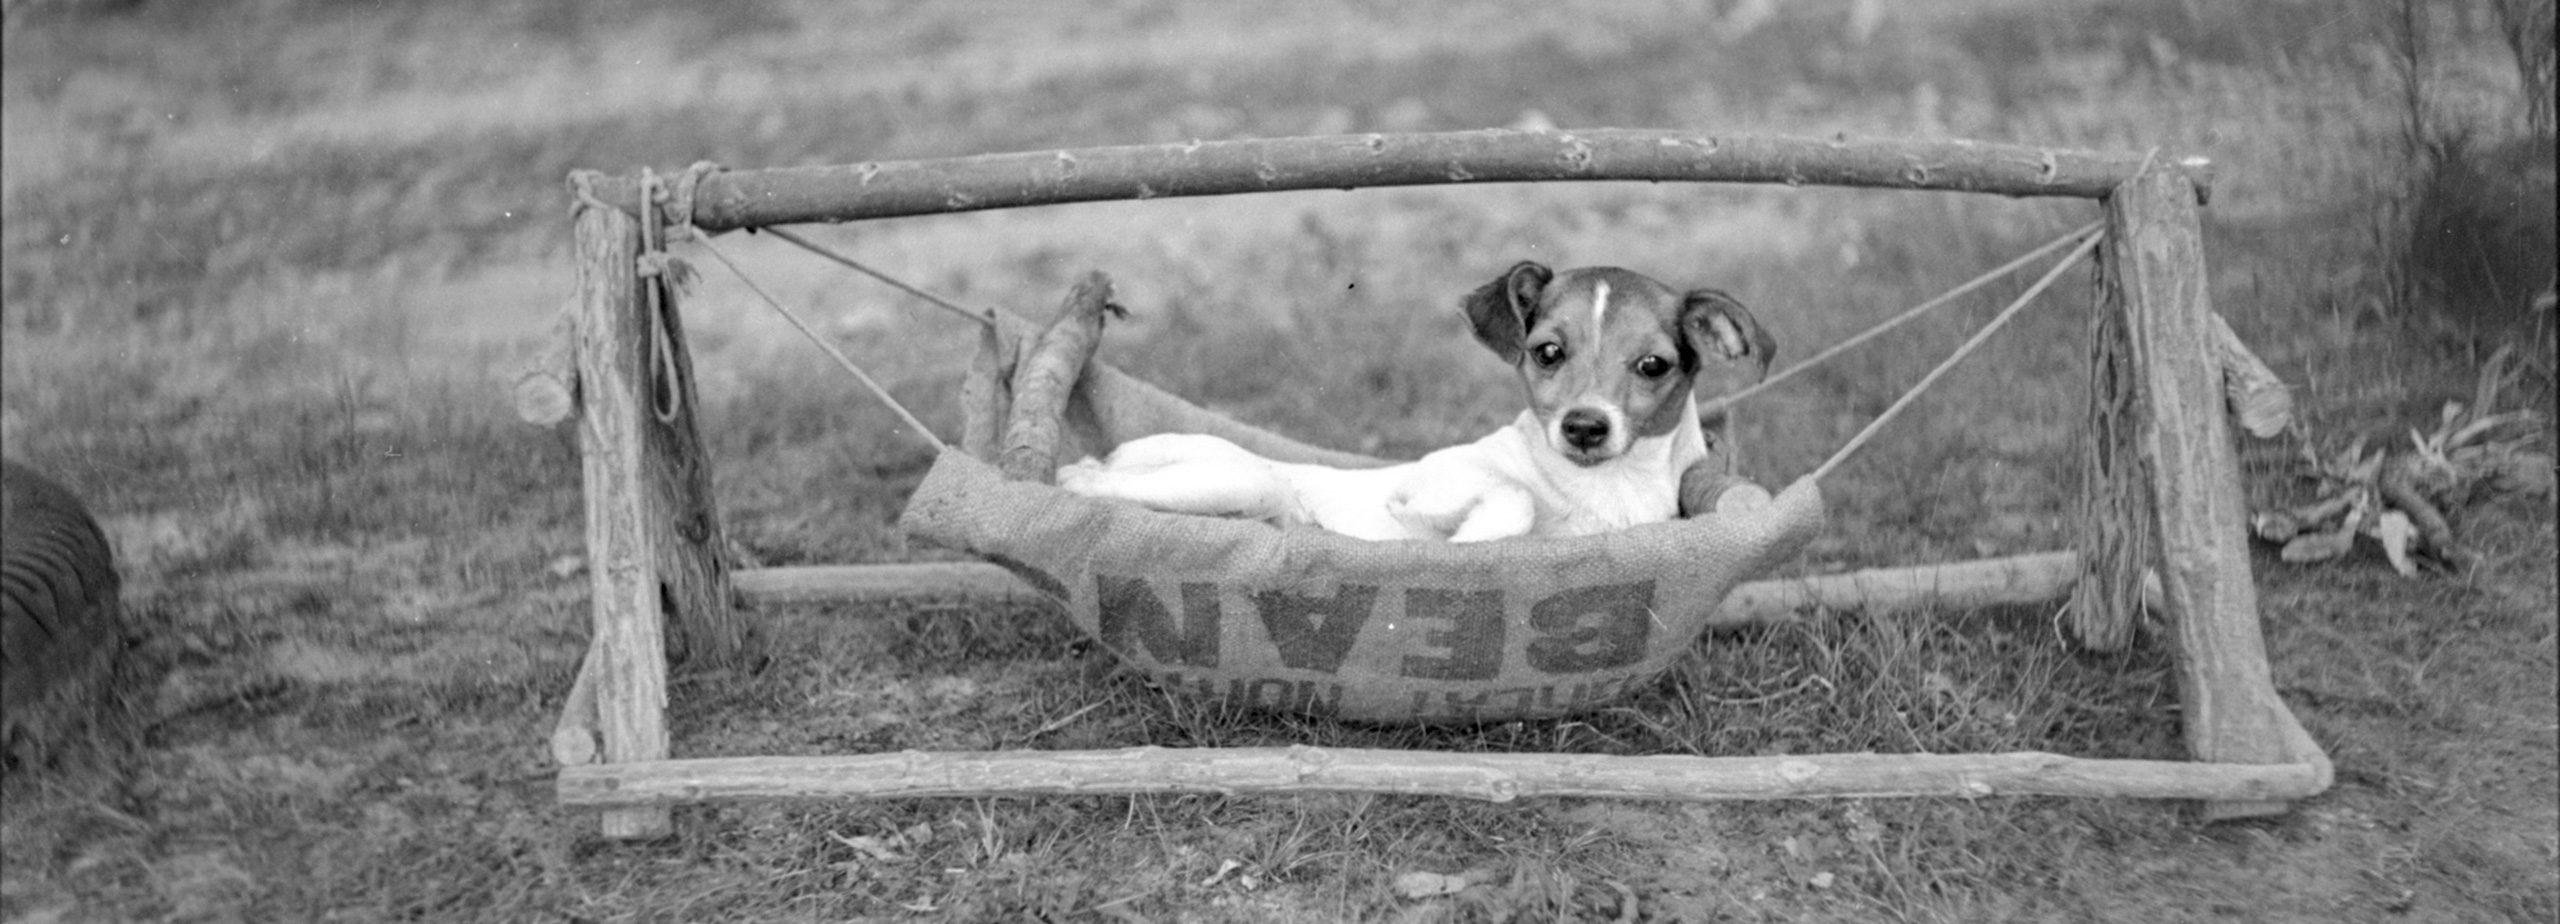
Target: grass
point(268, 265)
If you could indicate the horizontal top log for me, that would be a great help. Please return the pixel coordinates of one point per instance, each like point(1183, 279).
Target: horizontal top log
point(732, 199)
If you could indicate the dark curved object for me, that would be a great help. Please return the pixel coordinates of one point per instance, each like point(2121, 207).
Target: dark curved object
point(61, 624)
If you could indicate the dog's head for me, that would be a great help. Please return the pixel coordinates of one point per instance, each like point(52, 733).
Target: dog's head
point(1609, 356)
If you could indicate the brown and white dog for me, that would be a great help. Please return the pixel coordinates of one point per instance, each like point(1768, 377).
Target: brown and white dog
point(1610, 359)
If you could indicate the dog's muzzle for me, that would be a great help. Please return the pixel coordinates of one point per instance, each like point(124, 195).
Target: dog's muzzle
point(1585, 429)
point(1585, 432)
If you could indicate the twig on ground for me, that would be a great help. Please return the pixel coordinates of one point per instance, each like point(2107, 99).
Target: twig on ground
point(2401, 499)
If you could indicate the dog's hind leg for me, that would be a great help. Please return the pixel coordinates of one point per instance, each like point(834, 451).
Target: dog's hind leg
point(1184, 473)
point(1148, 453)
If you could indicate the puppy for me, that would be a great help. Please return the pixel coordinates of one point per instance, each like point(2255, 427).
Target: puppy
point(1609, 360)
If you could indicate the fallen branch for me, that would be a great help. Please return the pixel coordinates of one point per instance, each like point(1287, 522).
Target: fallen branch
point(2400, 499)
point(2398, 488)
point(2260, 400)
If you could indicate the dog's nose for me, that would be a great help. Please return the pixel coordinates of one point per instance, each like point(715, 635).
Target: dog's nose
point(1584, 428)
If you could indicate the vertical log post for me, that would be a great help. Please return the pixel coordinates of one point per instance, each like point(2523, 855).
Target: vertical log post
point(653, 538)
point(629, 647)
point(2115, 541)
point(703, 631)
point(2156, 274)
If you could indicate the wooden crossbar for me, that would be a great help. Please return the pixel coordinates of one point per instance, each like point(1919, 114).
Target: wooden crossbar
point(733, 199)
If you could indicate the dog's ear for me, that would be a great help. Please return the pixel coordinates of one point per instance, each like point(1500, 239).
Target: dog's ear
point(1712, 320)
point(1501, 311)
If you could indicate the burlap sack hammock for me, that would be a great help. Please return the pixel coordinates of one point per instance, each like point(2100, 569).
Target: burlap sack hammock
point(1304, 620)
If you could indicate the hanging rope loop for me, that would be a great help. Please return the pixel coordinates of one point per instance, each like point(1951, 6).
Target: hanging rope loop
point(666, 390)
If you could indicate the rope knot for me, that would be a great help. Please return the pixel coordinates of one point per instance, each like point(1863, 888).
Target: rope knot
point(680, 199)
point(582, 191)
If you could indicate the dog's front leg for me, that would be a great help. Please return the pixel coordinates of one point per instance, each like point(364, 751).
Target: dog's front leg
point(1501, 513)
point(1464, 509)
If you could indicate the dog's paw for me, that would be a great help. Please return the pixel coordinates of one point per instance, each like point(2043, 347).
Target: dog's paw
point(1742, 496)
point(1416, 523)
point(1080, 476)
point(1705, 487)
point(1500, 512)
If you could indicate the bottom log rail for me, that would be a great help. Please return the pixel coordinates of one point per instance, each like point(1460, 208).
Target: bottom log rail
point(1490, 777)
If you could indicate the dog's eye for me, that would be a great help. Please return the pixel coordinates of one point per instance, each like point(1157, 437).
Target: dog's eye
point(1653, 367)
point(1548, 353)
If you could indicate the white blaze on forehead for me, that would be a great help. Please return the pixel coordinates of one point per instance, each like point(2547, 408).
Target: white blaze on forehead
point(1599, 305)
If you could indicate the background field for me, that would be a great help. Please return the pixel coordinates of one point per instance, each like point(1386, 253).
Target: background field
point(269, 265)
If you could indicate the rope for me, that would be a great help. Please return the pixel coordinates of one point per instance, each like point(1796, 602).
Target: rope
point(582, 191)
point(680, 205)
point(1855, 442)
point(1923, 308)
point(866, 379)
point(850, 263)
point(2087, 236)
point(666, 397)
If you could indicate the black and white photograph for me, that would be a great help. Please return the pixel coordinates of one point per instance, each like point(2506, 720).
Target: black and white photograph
point(1193, 462)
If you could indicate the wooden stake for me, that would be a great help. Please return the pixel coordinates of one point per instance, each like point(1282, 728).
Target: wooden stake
point(573, 737)
point(626, 519)
point(2155, 255)
point(1490, 777)
point(703, 632)
point(2115, 511)
point(653, 534)
point(1049, 372)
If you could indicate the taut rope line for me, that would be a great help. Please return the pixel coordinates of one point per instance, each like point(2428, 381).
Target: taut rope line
point(2088, 236)
point(865, 378)
point(2085, 234)
point(1913, 393)
point(894, 282)
point(1923, 308)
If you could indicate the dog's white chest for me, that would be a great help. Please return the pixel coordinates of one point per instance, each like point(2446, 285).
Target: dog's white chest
point(1608, 497)
point(1640, 486)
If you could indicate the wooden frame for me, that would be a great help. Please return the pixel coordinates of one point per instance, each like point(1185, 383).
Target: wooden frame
point(653, 531)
